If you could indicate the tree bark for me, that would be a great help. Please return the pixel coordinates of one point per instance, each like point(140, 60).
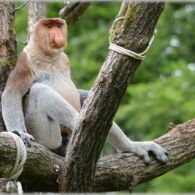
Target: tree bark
point(133, 31)
point(7, 45)
point(116, 172)
point(7, 50)
point(36, 11)
point(7, 41)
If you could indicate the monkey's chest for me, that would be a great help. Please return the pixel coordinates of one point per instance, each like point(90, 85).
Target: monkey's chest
point(68, 91)
point(62, 85)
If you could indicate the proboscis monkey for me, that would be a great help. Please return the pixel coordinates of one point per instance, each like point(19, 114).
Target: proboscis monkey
point(42, 79)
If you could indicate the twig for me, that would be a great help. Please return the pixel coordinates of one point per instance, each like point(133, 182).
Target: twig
point(22, 43)
point(67, 9)
point(21, 6)
point(72, 11)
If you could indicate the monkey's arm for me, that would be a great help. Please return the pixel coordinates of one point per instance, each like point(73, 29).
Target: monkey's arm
point(17, 85)
point(83, 95)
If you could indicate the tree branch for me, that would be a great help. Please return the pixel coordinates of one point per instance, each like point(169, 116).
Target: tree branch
point(7, 45)
point(133, 32)
point(125, 171)
point(114, 172)
point(34, 13)
point(73, 11)
point(21, 6)
point(7, 41)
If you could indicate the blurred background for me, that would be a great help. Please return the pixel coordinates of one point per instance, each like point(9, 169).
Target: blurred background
point(163, 89)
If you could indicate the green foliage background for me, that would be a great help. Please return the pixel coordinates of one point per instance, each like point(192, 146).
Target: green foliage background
point(163, 89)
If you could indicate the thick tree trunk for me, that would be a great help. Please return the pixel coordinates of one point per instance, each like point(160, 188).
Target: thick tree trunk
point(36, 11)
point(7, 45)
point(113, 173)
point(133, 31)
point(7, 50)
point(7, 41)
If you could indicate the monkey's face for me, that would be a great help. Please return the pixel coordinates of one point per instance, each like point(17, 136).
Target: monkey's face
point(51, 35)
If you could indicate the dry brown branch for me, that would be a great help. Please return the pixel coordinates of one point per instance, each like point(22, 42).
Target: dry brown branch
point(114, 172)
point(21, 6)
point(73, 11)
point(36, 11)
point(134, 32)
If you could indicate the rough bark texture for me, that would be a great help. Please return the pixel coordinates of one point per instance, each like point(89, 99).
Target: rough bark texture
point(36, 11)
point(113, 173)
point(133, 31)
point(73, 11)
point(7, 45)
point(7, 50)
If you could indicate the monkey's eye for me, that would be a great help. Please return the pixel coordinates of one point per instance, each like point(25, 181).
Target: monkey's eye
point(49, 25)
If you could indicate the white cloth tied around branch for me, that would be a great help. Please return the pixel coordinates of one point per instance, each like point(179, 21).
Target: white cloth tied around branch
point(21, 156)
point(128, 52)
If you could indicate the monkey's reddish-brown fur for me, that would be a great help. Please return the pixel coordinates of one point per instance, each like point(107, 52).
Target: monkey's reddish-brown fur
point(21, 77)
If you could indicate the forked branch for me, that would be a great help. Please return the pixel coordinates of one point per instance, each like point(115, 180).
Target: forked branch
point(114, 172)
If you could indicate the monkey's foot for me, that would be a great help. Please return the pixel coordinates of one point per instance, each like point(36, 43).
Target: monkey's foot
point(26, 138)
point(142, 150)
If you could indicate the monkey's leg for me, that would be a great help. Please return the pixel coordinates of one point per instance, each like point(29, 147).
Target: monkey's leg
point(119, 140)
point(46, 111)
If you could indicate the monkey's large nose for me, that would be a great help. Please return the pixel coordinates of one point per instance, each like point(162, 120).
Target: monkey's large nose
point(59, 41)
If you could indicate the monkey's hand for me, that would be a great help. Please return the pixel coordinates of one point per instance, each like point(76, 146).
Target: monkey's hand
point(26, 138)
point(142, 150)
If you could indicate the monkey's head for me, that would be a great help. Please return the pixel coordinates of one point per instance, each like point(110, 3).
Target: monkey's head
point(50, 35)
